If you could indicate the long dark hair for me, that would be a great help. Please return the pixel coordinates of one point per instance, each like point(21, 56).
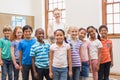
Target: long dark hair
point(98, 36)
point(65, 39)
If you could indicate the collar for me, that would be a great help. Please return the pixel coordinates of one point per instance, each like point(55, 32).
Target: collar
point(102, 39)
point(63, 45)
point(5, 38)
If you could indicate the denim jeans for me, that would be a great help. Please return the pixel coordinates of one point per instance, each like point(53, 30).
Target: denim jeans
point(75, 73)
point(7, 69)
point(16, 73)
point(43, 73)
point(25, 72)
point(59, 73)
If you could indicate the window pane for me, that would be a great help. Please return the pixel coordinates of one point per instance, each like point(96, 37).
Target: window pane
point(109, 18)
point(116, 28)
point(60, 0)
point(109, 1)
point(109, 8)
point(110, 28)
point(50, 15)
point(116, 0)
point(60, 6)
point(116, 18)
point(50, 1)
point(116, 8)
point(55, 5)
point(50, 7)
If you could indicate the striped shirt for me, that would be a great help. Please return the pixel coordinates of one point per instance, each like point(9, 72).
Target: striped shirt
point(41, 53)
point(75, 47)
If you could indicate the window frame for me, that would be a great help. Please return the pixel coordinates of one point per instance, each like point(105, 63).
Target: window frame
point(104, 19)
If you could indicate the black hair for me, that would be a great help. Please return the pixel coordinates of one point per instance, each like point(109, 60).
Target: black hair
point(38, 29)
point(65, 39)
point(98, 36)
point(27, 27)
point(82, 29)
point(103, 26)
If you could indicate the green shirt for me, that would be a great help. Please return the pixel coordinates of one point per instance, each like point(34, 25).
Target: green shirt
point(5, 48)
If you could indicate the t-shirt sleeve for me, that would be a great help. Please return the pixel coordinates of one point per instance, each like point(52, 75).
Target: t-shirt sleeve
point(51, 47)
point(20, 46)
point(0, 43)
point(68, 46)
point(100, 44)
point(12, 44)
point(32, 51)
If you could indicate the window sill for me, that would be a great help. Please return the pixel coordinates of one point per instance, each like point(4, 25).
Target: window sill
point(114, 36)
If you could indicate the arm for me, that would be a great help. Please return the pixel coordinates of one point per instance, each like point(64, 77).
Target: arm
point(34, 69)
point(1, 62)
point(50, 64)
point(20, 59)
point(81, 53)
point(13, 58)
point(69, 62)
point(99, 58)
point(111, 55)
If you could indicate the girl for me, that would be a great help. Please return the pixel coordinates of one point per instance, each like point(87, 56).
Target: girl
point(76, 52)
point(85, 54)
point(60, 57)
point(15, 38)
point(106, 56)
point(95, 50)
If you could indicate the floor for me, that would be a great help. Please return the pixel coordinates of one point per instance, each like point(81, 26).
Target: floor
point(112, 77)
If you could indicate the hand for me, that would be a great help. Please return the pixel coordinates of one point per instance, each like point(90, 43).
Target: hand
point(111, 65)
point(1, 62)
point(51, 75)
point(97, 68)
point(17, 66)
point(20, 67)
point(36, 75)
point(70, 73)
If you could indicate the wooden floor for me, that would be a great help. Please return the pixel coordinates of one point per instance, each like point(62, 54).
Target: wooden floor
point(112, 77)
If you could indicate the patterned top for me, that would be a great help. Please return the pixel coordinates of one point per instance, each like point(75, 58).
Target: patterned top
point(41, 53)
point(75, 47)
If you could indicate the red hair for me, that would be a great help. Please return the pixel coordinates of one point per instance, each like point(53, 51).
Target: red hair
point(13, 36)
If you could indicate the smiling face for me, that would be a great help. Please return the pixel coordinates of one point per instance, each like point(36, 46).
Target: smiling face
point(27, 33)
point(39, 34)
point(92, 32)
point(103, 32)
point(7, 33)
point(18, 33)
point(82, 34)
point(57, 14)
point(74, 32)
point(59, 36)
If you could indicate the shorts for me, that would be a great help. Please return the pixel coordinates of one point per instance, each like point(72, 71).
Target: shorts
point(85, 69)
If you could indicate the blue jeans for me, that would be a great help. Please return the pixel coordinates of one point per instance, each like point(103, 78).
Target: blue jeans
point(7, 69)
point(25, 72)
point(59, 73)
point(43, 72)
point(16, 73)
point(75, 73)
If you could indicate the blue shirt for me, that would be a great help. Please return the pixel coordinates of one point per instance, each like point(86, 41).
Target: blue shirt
point(41, 53)
point(16, 51)
point(25, 46)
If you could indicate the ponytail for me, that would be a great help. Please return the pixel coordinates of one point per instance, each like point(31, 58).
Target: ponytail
point(98, 36)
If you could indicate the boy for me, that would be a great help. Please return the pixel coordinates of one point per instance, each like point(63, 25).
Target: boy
point(5, 53)
point(25, 60)
point(40, 56)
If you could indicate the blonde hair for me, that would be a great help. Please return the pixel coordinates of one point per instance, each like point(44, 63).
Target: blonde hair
point(7, 28)
point(56, 9)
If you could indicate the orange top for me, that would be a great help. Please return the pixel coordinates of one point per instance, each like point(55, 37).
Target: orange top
point(107, 46)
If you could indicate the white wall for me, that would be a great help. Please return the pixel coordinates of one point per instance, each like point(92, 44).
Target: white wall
point(83, 13)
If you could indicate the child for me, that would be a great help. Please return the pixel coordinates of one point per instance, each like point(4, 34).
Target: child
point(15, 38)
point(76, 52)
point(5, 53)
point(60, 57)
point(85, 54)
point(95, 50)
point(25, 60)
point(106, 56)
point(40, 56)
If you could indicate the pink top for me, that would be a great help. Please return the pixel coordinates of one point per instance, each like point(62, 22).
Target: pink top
point(85, 47)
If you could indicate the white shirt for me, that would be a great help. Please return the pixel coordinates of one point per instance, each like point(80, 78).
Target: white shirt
point(94, 45)
point(60, 59)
